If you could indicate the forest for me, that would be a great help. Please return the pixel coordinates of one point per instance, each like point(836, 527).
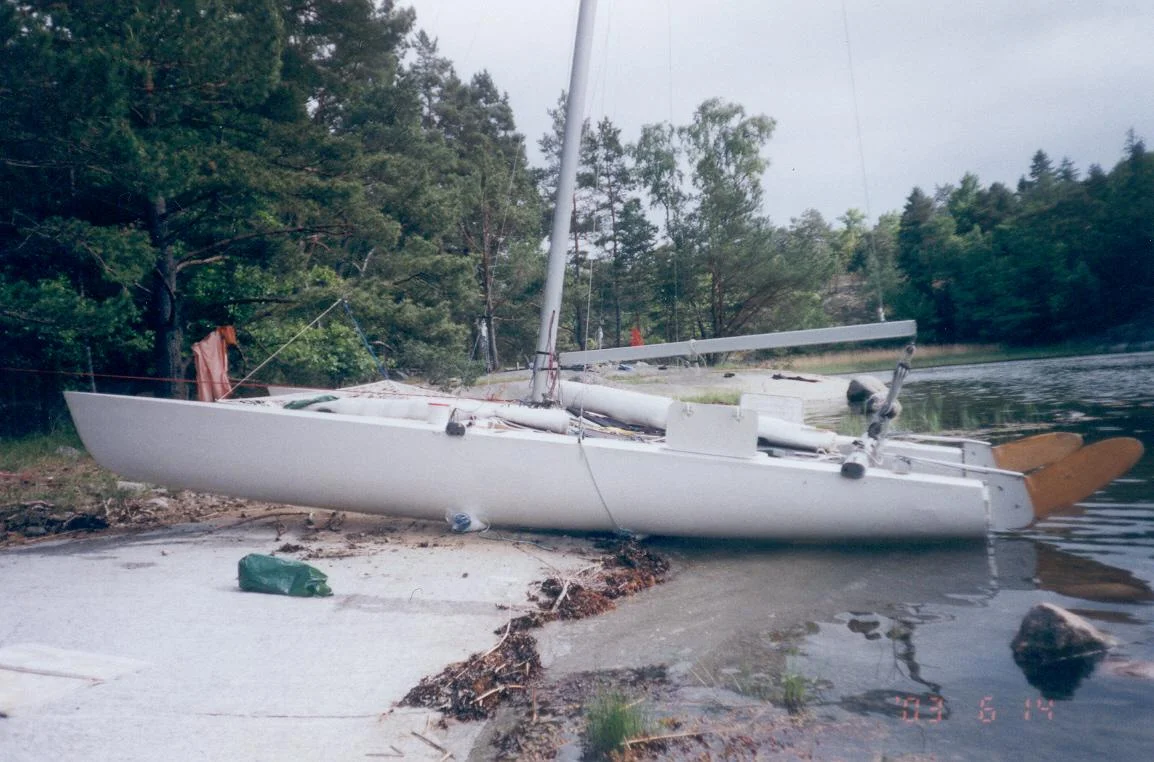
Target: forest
point(316, 174)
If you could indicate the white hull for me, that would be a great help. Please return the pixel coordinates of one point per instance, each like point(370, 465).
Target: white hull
point(513, 477)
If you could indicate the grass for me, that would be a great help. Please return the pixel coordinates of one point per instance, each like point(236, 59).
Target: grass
point(924, 418)
point(795, 692)
point(934, 416)
point(715, 397)
point(610, 721)
point(927, 356)
point(53, 469)
point(872, 360)
point(24, 452)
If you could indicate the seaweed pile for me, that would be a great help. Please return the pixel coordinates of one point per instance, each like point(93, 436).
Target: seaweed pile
point(471, 689)
point(626, 568)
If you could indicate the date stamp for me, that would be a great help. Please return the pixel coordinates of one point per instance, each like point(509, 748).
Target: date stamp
point(932, 709)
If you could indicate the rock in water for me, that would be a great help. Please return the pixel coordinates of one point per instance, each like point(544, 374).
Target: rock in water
point(867, 394)
point(1049, 633)
point(1057, 649)
point(861, 388)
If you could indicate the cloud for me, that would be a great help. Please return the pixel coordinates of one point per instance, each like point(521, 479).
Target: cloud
point(942, 88)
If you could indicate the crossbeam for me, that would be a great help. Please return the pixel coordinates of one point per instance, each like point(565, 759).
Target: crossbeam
point(780, 340)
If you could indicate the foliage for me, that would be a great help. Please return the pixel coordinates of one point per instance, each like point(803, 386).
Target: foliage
point(1057, 259)
point(795, 692)
point(726, 269)
point(171, 167)
point(24, 452)
point(181, 166)
point(610, 721)
point(484, 194)
point(150, 143)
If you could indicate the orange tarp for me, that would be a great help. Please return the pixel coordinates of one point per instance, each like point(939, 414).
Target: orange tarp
point(211, 356)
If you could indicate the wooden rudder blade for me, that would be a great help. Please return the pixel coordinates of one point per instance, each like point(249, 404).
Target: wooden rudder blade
point(1081, 474)
point(1024, 455)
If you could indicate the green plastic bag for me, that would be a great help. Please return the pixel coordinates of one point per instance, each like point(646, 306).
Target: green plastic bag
point(282, 576)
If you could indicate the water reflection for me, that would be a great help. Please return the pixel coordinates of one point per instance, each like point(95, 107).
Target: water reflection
point(908, 588)
point(923, 689)
point(728, 619)
point(1026, 564)
point(1087, 579)
point(1097, 556)
point(1058, 680)
point(918, 639)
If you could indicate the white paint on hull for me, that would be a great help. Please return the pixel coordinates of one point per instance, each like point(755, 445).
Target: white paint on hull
point(512, 478)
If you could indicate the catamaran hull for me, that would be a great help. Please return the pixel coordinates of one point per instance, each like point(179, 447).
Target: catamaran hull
point(512, 477)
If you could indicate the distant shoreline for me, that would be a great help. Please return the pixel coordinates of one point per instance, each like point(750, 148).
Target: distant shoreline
point(934, 355)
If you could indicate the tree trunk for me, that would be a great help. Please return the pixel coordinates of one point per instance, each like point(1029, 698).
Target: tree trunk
point(490, 322)
point(164, 315)
point(579, 316)
point(489, 246)
point(617, 276)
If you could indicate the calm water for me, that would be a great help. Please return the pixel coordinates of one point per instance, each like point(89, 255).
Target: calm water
point(965, 693)
point(909, 647)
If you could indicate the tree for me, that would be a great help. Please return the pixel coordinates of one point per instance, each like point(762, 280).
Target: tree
point(611, 180)
point(880, 256)
point(497, 199)
point(725, 268)
point(1061, 258)
point(139, 130)
point(1124, 262)
point(1041, 178)
point(581, 222)
point(928, 255)
point(847, 245)
point(206, 125)
point(657, 158)
point(723, 148)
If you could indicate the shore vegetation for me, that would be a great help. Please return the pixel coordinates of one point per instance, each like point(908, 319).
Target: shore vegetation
point(319, 177)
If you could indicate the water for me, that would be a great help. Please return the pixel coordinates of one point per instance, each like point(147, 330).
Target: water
point(910, 646)
point(1096, 559)
point(1099, 397)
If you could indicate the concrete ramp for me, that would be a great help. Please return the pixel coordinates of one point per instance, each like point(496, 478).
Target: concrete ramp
point(31, 673)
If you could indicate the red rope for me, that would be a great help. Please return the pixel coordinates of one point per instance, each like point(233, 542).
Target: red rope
point(86, 374)
point(262, 385)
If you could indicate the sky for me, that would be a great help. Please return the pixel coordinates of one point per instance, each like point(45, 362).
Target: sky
point(942, 88)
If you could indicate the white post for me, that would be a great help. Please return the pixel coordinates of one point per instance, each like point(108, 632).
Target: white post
point(544, 360)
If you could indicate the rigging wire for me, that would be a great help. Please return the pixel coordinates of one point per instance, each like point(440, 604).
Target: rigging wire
point(364, 339)
point(669, 53)
point(269, 359)
point(605, 48)
point(875, 261)
point(596, 486)
point(672, 247)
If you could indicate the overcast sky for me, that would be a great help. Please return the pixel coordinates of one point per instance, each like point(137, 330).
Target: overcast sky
point(942, 87)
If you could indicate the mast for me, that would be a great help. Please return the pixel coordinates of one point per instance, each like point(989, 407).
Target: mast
point(545, 359)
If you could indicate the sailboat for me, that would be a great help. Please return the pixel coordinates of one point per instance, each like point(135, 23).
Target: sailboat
point(399, 450)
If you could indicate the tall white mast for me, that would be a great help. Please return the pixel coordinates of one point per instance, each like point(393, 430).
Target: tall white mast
point(545, 358)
